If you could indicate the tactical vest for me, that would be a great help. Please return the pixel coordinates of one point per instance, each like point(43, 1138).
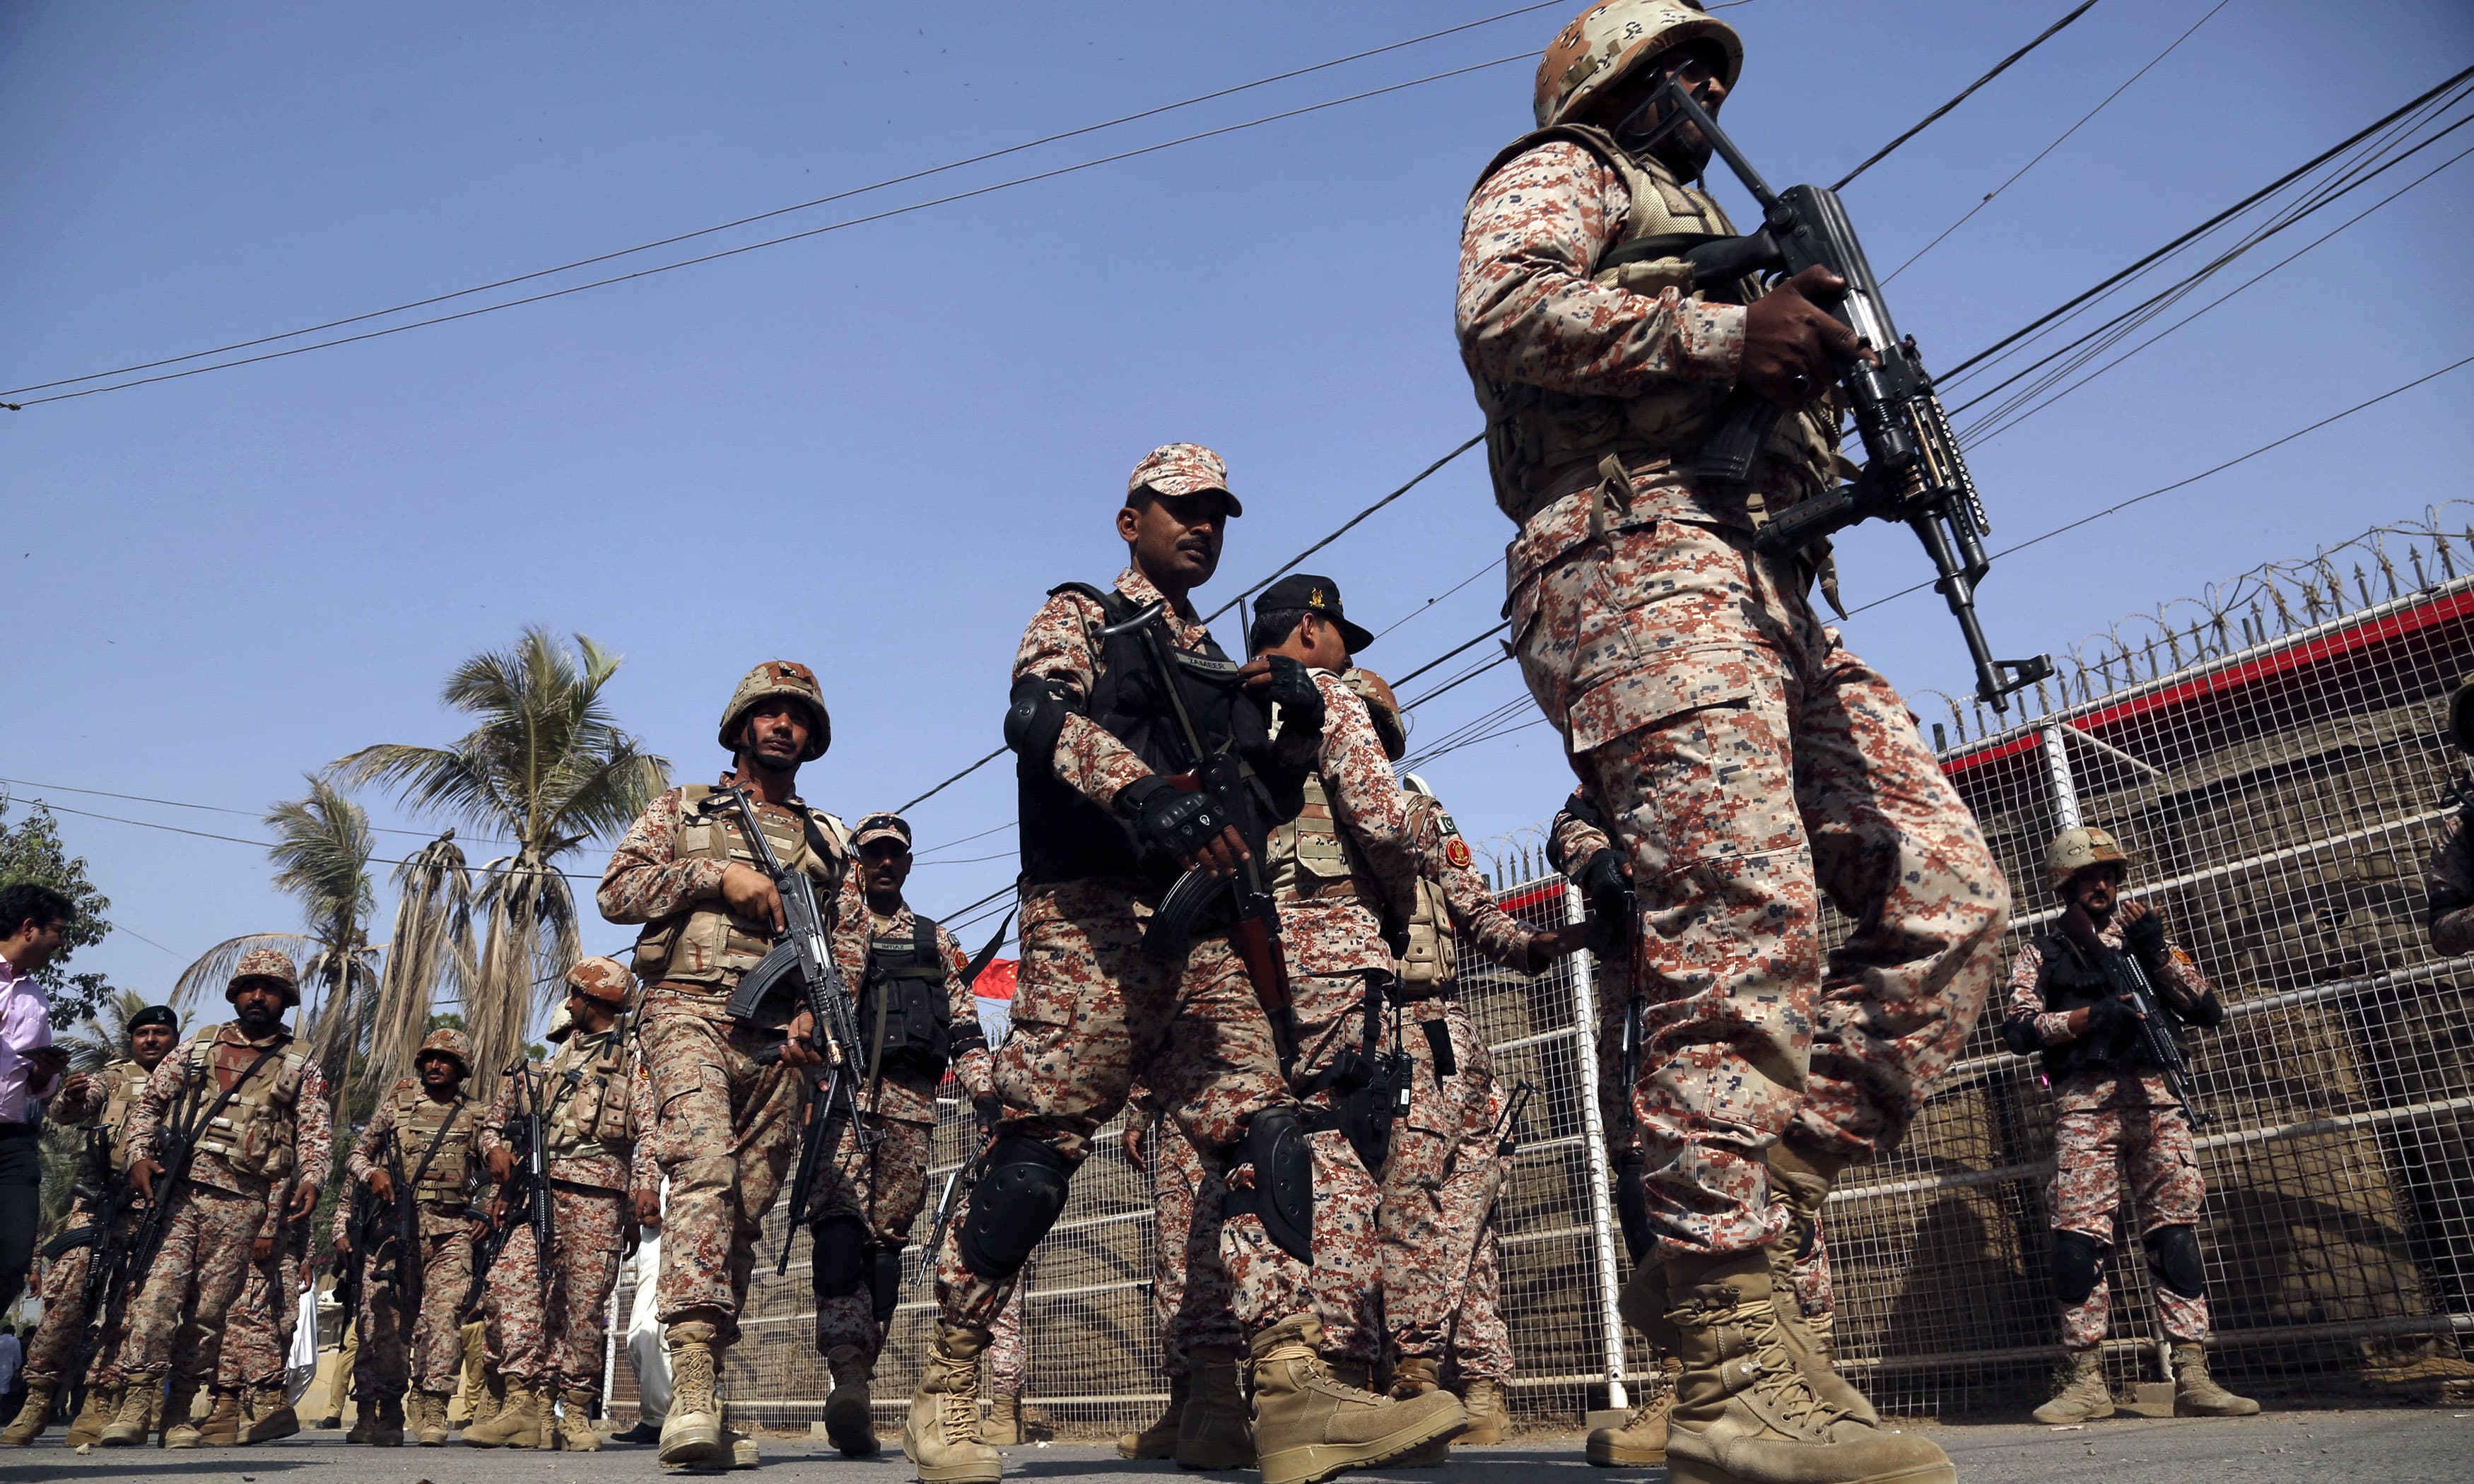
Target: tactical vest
point(127, 1080)
point(1066, 837)
point(1429, 957)
point(417, 1118)
point(906, 1024)
point(588, 1110)
point(706, 944)
point(258, 1132)
point(1311, 857)
point(2068, 981)
point(1542, 443)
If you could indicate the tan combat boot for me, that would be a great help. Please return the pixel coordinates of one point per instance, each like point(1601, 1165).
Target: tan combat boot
point(1641, 1441)
point(1414, 1376)
point(487, 1398)
point(1159, 1439)
point(1004, 1426)
point(430, 1418)
point(575, 1431)
point(220, 1427)
point(1308, 1426)
point(1802, 1183)
point(2197, 1393)
point(692, 1434)
point(101, 1401)
point(387, 1431)
point(267, 1416)
point(1215, 1431)
point(519, 1423)
point(32, 1418)
point(1745, 1414)
point(1484, 1402)
point(2083, 1395)
point(941, 1435)
point(179, 1429)
point(850, 1417)
point(365, 1422)
point(133, 1421)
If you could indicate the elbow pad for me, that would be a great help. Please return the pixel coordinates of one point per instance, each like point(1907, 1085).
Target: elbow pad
point(2019, 1034)
point(1035, 714)
point(2208, 1014)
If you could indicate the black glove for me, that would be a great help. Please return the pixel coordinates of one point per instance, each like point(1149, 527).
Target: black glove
point(1169, 820)
point(1603, 885)
point(1292, 689)
point(2146, 938)
point(2105, 1019)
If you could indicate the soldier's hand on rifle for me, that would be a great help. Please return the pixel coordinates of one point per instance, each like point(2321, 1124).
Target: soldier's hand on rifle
point(261, 1249)
point(800, 1049)
point(304, 1200)
point(1132, 1142)
point(1791, 344)
point(1186, 826)
point(382, 1185)
point(751, 894)
point(141, 1177)
point(503, 1166)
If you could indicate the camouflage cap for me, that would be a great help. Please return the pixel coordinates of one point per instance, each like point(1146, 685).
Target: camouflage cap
point(1606, 43)
point(1176, 470)
point(2075, 850)
point(884, 825)
point(779, 678)
point(269, 965)
point(450, 1043)
point(605, 979)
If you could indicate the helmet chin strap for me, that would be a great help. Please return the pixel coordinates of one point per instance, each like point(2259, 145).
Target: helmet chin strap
point(1663, 130)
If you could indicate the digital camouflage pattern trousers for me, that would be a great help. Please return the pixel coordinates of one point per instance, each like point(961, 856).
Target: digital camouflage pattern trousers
point(2094, 1148)
point(726, 1132)
point(1347, 1281)
point(53, 1350)
point(1189, 1287)
point(882, 1190)
point(431, 1357)
point(257, 1329)
point(175, 1324)
point(556, 1341)
point(1750, 765)
point(1088, 1008)
point(1009, 1367)
point(1441, 1255)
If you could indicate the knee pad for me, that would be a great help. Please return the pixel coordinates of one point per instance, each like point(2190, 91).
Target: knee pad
point(835, 1263)
point(1282, 1195)
point(2078, 1265)
point(885, 1280)
point(1018, 1197)
point(2174, 1256)
point(1632, 1204)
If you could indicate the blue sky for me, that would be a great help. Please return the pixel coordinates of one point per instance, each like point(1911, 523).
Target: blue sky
point(873, 449)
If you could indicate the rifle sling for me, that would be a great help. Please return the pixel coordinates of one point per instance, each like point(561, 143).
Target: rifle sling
point(190, 1132)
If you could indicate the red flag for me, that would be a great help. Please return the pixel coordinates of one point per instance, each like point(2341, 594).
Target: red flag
point(996, 981)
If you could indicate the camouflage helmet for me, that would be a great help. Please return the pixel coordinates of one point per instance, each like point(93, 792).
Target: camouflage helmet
point(2075, 850)
point(1391, 724)
point(605, 979)
point(449, 1042)
point(780, 678)
point(1606, 43)
point(2460, 715)
point(269, 965)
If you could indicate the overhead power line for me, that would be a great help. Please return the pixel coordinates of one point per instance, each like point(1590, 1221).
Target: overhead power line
point(1964, 93)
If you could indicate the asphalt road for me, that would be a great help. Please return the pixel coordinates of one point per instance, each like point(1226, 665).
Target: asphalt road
point(2392, 1445)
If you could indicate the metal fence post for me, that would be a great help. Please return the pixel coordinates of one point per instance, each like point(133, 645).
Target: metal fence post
point(1593, 1127)
point(2058, 770)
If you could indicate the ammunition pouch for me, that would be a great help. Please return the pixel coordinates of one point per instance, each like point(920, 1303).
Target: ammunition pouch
point(904, 1017)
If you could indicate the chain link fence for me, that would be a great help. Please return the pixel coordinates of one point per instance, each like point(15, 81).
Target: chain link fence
point(2273, 754)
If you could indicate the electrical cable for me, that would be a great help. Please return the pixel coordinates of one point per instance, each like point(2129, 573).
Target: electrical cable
point(1998, 68)
point(218, 809)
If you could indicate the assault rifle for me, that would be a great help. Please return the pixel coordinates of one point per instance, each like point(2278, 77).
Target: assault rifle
point(1507, 1143)
point(1223, 778)
point(396, 1226)
point(802, 963)
point(1914, 472)
point(531, 1195)
point(983, 1124)
point(2131, 985)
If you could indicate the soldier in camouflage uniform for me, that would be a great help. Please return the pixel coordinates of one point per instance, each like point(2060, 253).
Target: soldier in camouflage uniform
point(1749, 763)
point(254, 1110)
point(250, 1402)
point(1103, 832)
point(916, 1016)
point(2448, 875)
point(432, 1127)
point(2112, 1107)
point(595, 1104)
point(1190, 1294)
point(727, 1125)
point(100, 1099)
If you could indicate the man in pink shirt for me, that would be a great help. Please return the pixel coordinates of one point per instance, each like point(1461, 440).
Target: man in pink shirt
point(34, 928)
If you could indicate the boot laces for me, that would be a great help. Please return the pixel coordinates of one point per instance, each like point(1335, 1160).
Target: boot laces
point(1794, 1397)
point(1324, 1374)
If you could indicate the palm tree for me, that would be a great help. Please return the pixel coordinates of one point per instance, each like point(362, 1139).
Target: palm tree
point(322, 853)
point(548, 767)
point(433, 941)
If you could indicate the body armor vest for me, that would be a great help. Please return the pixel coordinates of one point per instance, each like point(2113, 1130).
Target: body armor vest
point(1542, 443)
point(587, 1092)
point(128, 1079)
point(1066, 837)
point(905, 1020)
point(706, 944)
point(2068, 982)
point(1311, 859)
point(417, 1118)
point(256, 1134)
